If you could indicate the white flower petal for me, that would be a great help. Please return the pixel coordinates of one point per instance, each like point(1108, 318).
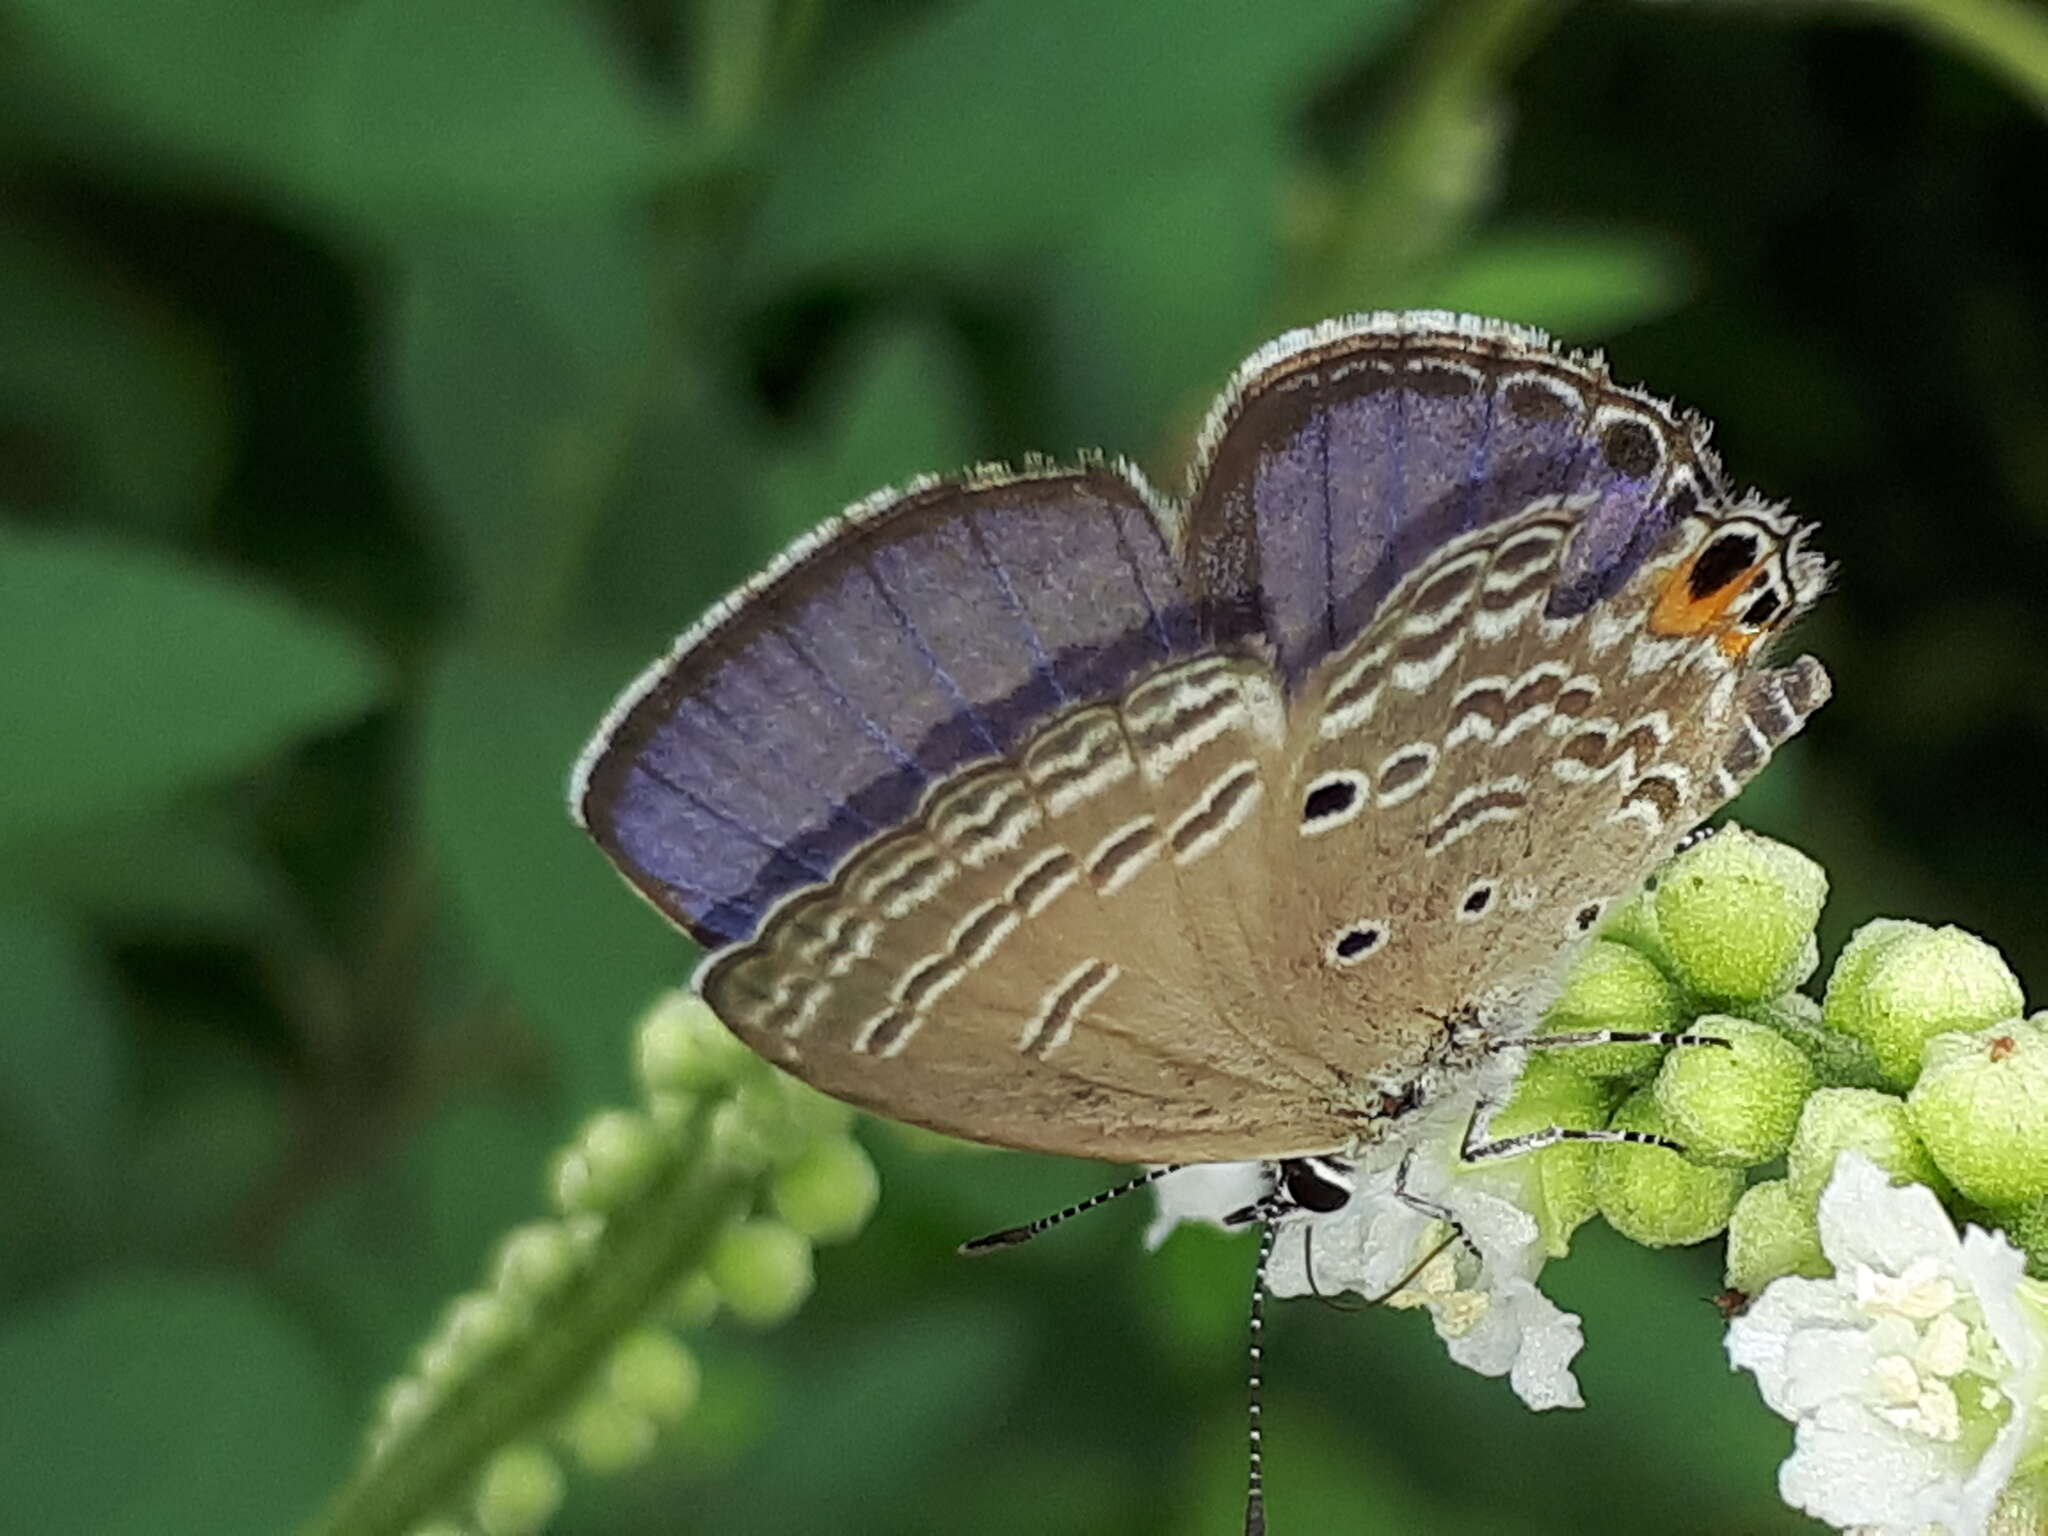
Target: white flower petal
point(1204, 1192)
point(1759, 1339)
point(1849, 1467)
point(1824, 1363)
point(1866, 1219)
point(1862, 1363)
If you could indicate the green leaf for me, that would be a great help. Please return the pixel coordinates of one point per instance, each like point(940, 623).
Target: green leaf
point(1582, 285)
point(1319, 1478)
point(161, 1405)
point(1143, 336)
point(389, 107)
point(519, 360)
point(202, 877)
point(216, 80)
point(60, 1052)
point(212, 1131)
point(1054, 112)
point(113, 412)
point(896, 411)
point(376, 1254)
point(576, 948)
point(946, 1372)
point(454, 105)
point(131, 676)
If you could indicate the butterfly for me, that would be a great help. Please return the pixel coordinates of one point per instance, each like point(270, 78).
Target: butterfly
point(1048, 810)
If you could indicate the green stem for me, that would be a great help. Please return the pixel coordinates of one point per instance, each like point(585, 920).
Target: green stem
point(2010, 37)
point(524, 1392)
point(1428, 166)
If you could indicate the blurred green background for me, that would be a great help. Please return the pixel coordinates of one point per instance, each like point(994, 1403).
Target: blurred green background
point(382, 382)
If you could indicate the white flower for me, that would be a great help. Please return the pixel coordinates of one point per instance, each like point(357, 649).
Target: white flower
point(1480, 1293)
point(1205, 1192)
point(1913, 1374)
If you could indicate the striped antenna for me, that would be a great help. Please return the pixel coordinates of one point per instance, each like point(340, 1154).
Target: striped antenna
point(1255, 1481)
point(1010, 1237)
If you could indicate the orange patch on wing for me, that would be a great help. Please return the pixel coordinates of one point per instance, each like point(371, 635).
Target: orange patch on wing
point(1679, 611)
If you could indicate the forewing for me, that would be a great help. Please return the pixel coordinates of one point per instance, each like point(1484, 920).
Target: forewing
point(970, 814)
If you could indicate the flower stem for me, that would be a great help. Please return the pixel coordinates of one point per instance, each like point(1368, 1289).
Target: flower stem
point(524, 1391)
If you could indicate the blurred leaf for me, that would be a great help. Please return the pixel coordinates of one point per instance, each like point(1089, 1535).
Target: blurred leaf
point(1317, 1479)
point(387, 106)
point(451, 105)
point(1581, 286)
point(685, 520)
point(1053, 113)
point(200, 877)
point(878, 1414)
point(376, 1256)
point(109, 409)
point(2006, 37)
point(519, 360)
point(705, 497)
point(581, 954)
point(132, 676)
point(1651, 1444)
point(220, 80)
point(1198, 1285)
point(898, 408)
point(60, 1053)
point(206, 1141)
point(1429, 165)
point(160, 1405)
point(1153, 307)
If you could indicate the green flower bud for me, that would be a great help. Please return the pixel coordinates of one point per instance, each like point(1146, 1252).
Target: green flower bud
point(2027, 1226)
point(1653, 1196)
point(475, 1327)
point(1559, 1187)
point(1981, 1105)
point(817, 1114)
point(534, 1262)
point(1613, 987)
point(652, 1373)
point(519, 1492)
point(762, 1269)
point(1852, 965)
point(403, 1404)
point(682, 1048)
point(611, 1162)
point(1799, 972)
point(1736, 912)
point(1634, 923)
point(1772, 1233)
point(694, 1300)
point(1875, 1124)
point(608, 1436)
point(1838, 1060)
point(828, 1193)
point(1907, 983)
point(786, 1122)
point(737, 1139)
point(1734, 1105)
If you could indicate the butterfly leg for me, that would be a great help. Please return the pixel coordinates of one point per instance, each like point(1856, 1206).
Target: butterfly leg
point(1479, 1147)
point(1565, 1039)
